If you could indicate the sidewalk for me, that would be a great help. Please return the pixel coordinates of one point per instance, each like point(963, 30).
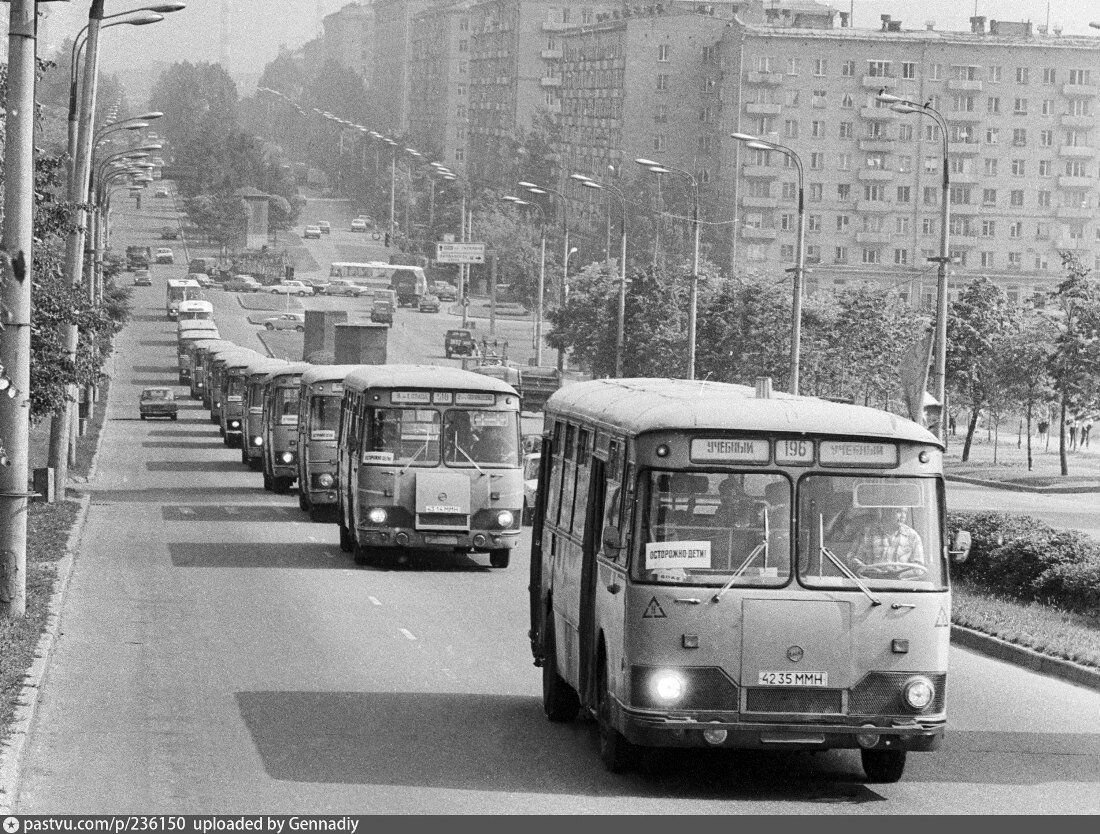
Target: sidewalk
point(1010, 470)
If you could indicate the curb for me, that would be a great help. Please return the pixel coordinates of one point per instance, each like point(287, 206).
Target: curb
point(1053, 490)
point(11, 752)
point(1043, 664)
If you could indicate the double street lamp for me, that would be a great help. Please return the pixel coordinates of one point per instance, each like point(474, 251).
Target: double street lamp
point(693, 301)
point(939, 369)
point(798, 270)
point(563, 201)
point(542, 271)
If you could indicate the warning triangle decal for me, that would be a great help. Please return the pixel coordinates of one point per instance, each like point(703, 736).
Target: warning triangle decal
point(653, 611)
point(941, 620)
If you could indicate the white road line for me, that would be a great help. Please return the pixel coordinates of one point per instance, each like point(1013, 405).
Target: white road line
point(186, 511)
point(312, 538)
point(374, 601)
point(408, 634)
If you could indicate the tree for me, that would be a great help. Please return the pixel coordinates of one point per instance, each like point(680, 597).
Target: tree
point(1022, 365)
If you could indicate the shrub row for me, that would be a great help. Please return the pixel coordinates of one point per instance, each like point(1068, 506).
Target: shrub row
point(1024, 558)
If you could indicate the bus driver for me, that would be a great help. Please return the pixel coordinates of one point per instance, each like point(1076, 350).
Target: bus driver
point(887, 538)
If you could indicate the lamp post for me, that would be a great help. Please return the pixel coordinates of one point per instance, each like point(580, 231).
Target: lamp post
point(693, 300)
point(542, 189)
point(393, 182)
point(451, 176)
point(620, 330)
point(799, 268)
point(939, 377)
point(542, 271)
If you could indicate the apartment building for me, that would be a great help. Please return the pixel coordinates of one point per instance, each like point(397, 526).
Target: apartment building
point(348, 40)
point(439, 81)
point(392, 48)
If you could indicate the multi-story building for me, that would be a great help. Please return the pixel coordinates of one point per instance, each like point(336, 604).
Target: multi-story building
point(348, 40)
point(439, 81)
point(392, 48)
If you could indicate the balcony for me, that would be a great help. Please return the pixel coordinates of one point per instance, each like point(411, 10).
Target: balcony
point(1076, 152)
point(964, 148)
point(880, 114)
point(964, 116)
point(749, 201)
point(965, 208)
point(1069, 120)
point(1073, 212)
point(551, 54)
point(1080, 90)
point(1066, 181)
point(879, 145)
point(965, 178)
point(757, 233)
point(550, 81)
point(763, 109)
point(772, 79)
point(875, 238)
point(874, 206)
point(879, 82)
point(759, 172)
point(875, 175)
point(964, 85)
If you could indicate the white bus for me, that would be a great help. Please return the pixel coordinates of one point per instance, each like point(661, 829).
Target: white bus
point(180, 290)
point(409, 282)
point(195, 309)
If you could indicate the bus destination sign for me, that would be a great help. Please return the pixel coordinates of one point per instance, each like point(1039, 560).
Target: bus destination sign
point(730, 450)
point(858, 453)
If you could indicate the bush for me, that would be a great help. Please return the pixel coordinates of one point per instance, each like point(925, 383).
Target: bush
point(989, 531)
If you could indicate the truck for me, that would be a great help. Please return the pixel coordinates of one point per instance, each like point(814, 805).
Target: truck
point(138, 257)
point(410, 284)
point(534, 384)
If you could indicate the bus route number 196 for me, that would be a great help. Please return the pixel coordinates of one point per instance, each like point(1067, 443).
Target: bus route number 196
point(794, 451)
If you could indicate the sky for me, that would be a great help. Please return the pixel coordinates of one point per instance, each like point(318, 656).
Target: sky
point(259, 27)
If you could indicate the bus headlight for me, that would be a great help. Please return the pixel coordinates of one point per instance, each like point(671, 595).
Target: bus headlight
point(287, 457)
point(234, 424)
point(325, 480)
point(919, 693)
point(667, 686)
point(257, 441)
point(376, 515)
point(505, 518)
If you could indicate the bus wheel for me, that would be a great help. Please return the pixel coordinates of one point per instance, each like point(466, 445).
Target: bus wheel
point(500, 558)
point(366, 554)
point(883, 766)
point(525, 515)
point(303, 502)
point(244, 455)
point(559, 699)
point(267, 482)
point(280, 485)
point(345, 536)
point(616, 753)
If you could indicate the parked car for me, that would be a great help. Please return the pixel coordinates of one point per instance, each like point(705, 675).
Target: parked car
point(444, 291)
point(428, 304)
point(358, 225)
point(164, 256)
point(157, 402)
point(341, 286)
point(201, 278)
point(287, 321)
point(381, 312)
point(291, 288)
point(169, 233)
point(142, 278)
point(324, 226)
point(459, 343)
point(161, 192)
point(243, 283)
point(312, 232)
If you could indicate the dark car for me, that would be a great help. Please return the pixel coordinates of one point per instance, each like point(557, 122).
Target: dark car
point(458, 343)
point(142, 278)
point(444, 291)
point(428, 304)
point(157, 402)
point(169, 233)
point(381, 312)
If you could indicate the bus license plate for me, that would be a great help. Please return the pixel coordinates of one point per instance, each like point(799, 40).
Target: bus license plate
point(793, 679)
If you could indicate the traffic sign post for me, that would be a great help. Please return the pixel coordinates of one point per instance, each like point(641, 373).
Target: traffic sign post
point(460, 253)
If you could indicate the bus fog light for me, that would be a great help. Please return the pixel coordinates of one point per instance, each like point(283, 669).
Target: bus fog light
point(401, 539)
point(480, 540)
point(714, 737)
point(668, 686)
point(376, 515)
point(504, 518)
point(868, 740)
point(919, 693)
point(324, 480)
point(287, 457)
point(257, 441)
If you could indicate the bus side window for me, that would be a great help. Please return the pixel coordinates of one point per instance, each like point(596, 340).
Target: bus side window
point(553, 489)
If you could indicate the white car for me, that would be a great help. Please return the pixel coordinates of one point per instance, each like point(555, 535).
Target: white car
point(287, 321)
point(290, 288)
point(358, 225)
point(164, 256)
point(312, 232)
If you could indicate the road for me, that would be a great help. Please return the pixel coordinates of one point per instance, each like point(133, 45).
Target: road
point(220, 654)
point(1069, 511)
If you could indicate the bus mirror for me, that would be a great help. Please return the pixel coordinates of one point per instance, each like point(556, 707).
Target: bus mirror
point(611, 539)
point(960, 546)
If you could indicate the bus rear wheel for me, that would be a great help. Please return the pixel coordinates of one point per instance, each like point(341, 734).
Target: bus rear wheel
point(500, 558)
point(280, 485)
point(616, 752)
point(883, 767)
point(267, 482)
point(559, 699)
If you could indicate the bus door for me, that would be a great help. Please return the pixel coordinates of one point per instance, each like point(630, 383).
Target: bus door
point(536, 584)
point(590, 544)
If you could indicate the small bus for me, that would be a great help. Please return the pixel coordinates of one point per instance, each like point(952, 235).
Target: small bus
point(252, 436)
point(180, 289)
point(232, 395)
point(215, 375)
point(280, 426)
point(320, 395)
point(184, 339)
point(196, 354)
point(428, 457)
point(195, 309)
point(711, 567)
point(408, 282)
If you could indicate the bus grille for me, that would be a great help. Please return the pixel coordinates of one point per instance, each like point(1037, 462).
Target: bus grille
point(793, 700)
point(442, 521)
point(880, 693)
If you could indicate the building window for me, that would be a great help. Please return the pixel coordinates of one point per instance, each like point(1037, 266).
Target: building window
point(987, 259)
point(660, 114)
point(1016, 229)
point(874, 193)
point(759, 188)
point(1075, 168)
point(1045, 168)
point(989, 196)
point(876, 160)
point(1016, 197)
point(902, 225)
point(931, 133)
point(704, 144)
point(813, 223)
point(762, 63)
point(844, 162)
point(993, 105)
point(1019, 107)
point(905, 194)
point(848, 102)
point(1078, 76)
point(821, 67)
point(905, 164)
point(931, 196)
point(844, 191)
point(1049, 75)
point(1021, 75)
point(846, 130)
point(1042, 231)
point(1018, 167)
point(1019, 137)
point(989, 228)
point(901, 256)
point(790, 98)
point(790, 128)
point(1044, 199)
point(842, 223)
point(908, 70)
point(993, 75)
point(931, 164)
point(879, 69)
point(659, 142)
point(662, 82)
point(817, 129)
point(840, 255)
point(1046, 138)
point(790, 191)
point(706, 114)
point(1040, 262)
point(662, 52)
point(928, 227)
point(960, 195)
point(786, 222)
point(990, 167)
point(1079, 107)
point(819, 100)
point(962, 104)
point(786, 252)
point(871, 256)
point(794, 66)
point(992, 135)
point(848, 69)
point(816, 192)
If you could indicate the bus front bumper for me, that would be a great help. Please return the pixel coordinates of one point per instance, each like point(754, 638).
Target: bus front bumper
point(465, 542)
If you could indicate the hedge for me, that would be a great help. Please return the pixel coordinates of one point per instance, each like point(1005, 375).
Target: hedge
point(1024, 558)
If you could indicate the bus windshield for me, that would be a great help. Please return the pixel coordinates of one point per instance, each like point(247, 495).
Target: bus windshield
point(234, 386)
point(286, 405)
point(324, 416)
point(883, 531)
point(715, 528)
point(474, 437)
point(404, 435)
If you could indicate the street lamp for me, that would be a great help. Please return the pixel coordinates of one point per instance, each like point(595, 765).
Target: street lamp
point(693, 300)
point(620, 330)
point(450, 176)
point(542, 271)
point(939, 379)
point(799, 268)
point(542, 189)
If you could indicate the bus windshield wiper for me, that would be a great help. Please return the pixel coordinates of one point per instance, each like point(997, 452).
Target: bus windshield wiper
point(748, 561)
point(423, 448)
point(470, 459)
point(843, 568)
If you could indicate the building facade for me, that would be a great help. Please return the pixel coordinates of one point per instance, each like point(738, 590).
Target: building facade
point(348, 40)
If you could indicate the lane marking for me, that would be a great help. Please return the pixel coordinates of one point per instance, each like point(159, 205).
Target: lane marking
point(408, 634)
point(312, 538)
point(374, 601)
point(186, 511)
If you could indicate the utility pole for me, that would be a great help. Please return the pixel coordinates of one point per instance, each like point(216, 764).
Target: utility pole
point(15, 337)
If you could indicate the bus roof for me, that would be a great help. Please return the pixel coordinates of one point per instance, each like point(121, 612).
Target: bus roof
point(290, 369)
point(423, 376)
point(642, 405)
point(243, 360)
point(183, 282)
point(195, 304)
point(327, 373)
point(263, 364)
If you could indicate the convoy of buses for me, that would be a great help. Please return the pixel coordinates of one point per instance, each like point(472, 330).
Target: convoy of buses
point(711, 565)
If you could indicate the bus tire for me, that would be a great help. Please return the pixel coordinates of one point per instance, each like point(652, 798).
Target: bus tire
point(883, 767)
point(616, 753)
point(559, 699)
point(303, 502)
point(366, 555)
point(267, 482)
point(280, 486)
point(500, 558)
point(244, 455)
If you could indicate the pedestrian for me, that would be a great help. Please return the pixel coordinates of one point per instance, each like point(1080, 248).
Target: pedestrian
point(951, 424)
point(1072, 426)
point(1044, 426)
point(1086, 427)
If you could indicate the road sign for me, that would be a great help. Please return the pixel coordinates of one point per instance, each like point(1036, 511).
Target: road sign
point(460, 253)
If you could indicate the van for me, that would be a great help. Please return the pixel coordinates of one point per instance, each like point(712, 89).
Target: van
point(207, 265)
point(382, 309)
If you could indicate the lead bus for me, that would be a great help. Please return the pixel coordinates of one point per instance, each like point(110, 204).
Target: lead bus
point(428, 458)
point(179, 290)
point(717, 567)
